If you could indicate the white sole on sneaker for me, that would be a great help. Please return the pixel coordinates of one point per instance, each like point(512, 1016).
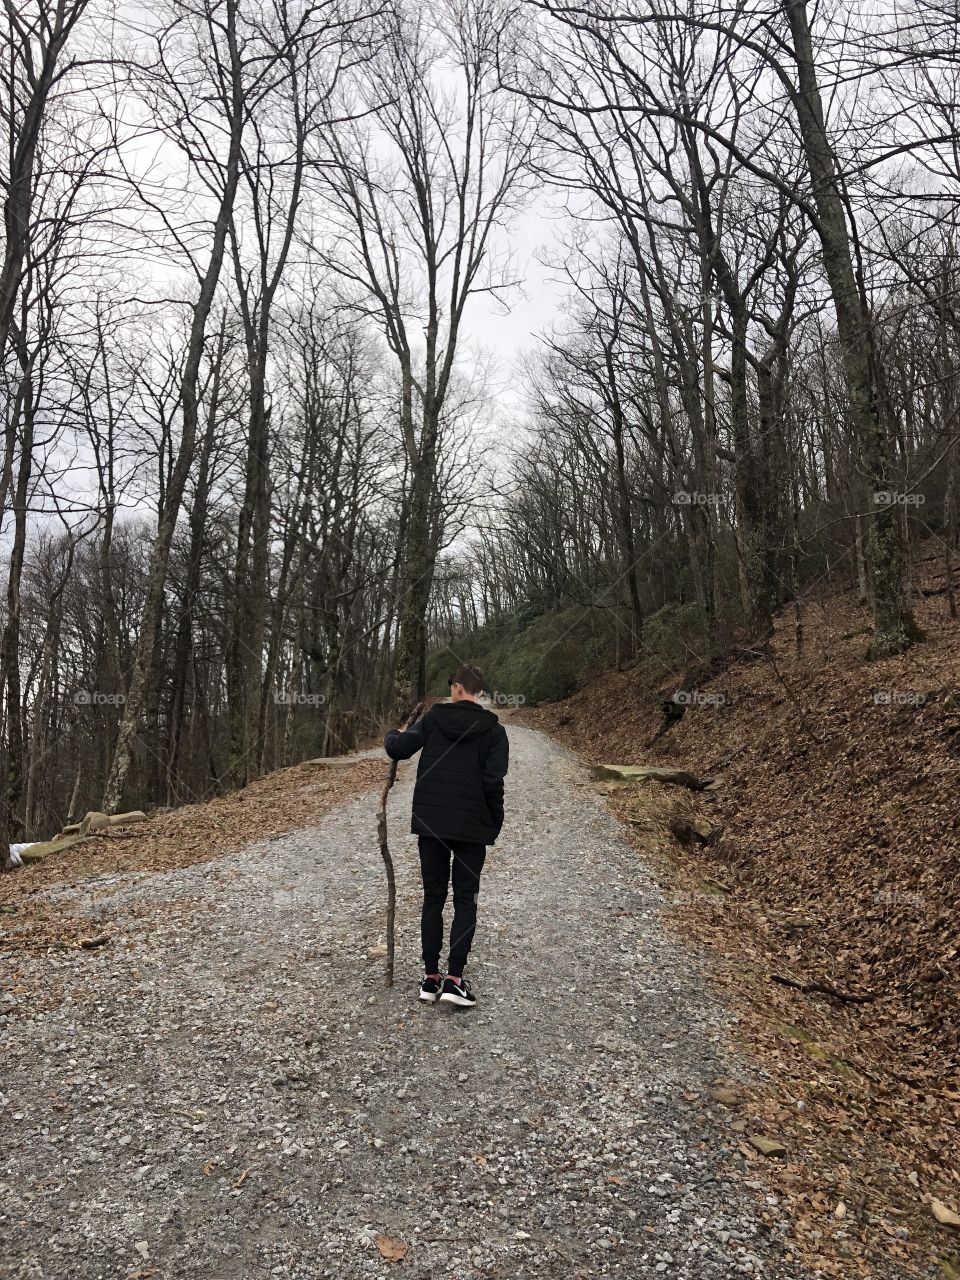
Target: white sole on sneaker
point(448, 997)
point(427, 999)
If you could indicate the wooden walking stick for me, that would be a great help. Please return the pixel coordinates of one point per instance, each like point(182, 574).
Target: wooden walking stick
point(385, 852)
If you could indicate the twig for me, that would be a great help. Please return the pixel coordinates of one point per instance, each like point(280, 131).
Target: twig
point(101, 940)
point(385, 852)
point(821, 989)
point(52, 944)
point(765, 653)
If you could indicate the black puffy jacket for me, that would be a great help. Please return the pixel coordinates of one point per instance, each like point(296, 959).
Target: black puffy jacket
point(459, 791)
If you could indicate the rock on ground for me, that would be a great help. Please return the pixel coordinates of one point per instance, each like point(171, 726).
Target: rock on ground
point(228, 1091)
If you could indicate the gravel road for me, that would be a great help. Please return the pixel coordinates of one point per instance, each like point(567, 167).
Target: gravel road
point(228, 1091)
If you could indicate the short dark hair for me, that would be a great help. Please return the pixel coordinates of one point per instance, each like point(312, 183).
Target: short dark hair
point(469, 677)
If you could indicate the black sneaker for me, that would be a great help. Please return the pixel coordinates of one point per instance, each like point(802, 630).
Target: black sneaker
point(429, 990)
point(457, 993)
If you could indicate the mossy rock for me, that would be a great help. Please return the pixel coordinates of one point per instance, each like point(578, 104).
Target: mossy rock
point(641, 773)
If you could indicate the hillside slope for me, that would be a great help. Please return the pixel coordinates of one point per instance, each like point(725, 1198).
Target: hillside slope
point(828, 855)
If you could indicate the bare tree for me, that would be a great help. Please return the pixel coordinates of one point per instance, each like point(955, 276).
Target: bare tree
point(219, 60)
point(417, 191)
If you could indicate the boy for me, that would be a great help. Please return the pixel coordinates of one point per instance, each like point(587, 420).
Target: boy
point(457, 812)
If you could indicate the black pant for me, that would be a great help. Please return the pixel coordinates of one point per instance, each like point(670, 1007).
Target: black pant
point(435, 869)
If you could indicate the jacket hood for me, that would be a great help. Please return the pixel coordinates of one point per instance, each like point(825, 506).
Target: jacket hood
point(460, 720)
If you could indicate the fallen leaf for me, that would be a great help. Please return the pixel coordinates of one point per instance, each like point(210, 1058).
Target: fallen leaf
point(391, 1250)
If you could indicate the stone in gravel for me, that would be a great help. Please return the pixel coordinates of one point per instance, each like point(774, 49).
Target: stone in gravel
point(946, 1217)
point(728, 1097)
point(767, 1146)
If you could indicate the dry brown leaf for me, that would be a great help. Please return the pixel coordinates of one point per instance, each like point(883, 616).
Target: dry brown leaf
point(391, 1250)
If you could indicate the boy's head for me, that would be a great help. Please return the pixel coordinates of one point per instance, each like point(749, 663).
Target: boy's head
point(465, 684)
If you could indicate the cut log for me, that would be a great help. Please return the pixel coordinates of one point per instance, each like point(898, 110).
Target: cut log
point(332, 762)
point(641, 772)
point(37, 852)
point(94, 821)
point(122, 819)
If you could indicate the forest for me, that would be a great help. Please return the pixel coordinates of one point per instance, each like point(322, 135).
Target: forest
point(257, 489)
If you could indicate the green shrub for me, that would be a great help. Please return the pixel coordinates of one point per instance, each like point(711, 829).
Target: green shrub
point(674, 632)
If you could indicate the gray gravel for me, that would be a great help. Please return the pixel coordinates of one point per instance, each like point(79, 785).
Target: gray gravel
point(229, 1092)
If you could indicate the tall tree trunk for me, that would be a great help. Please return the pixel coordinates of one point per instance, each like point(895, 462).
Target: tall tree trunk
point(184, 631)
point(894, 626)
point(417, 558)
point(12, 764)
point(189, 397)
point(625, 506)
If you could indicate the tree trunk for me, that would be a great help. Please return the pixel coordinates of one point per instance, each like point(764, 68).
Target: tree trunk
point(894, 626)
point(157, 574)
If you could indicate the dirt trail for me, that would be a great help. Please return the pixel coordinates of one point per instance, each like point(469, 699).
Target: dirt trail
point(228, 1091)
